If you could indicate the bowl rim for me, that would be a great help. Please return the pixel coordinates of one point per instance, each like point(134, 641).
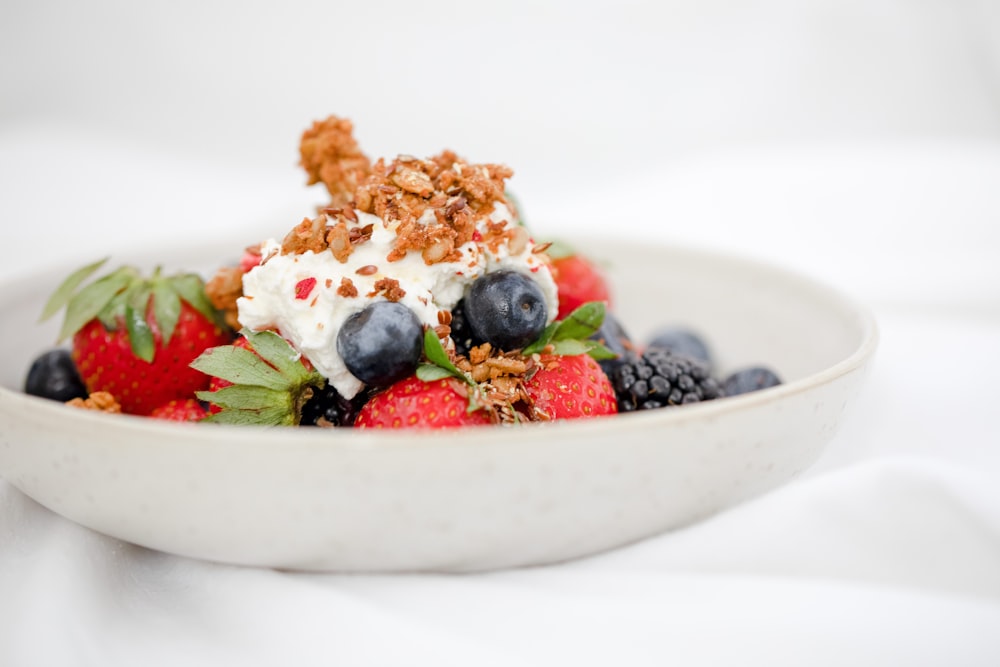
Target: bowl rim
point(349, 438)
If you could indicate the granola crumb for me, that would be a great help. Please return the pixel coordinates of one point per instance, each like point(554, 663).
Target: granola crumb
point(389, 288)
point(101, 401)
point(347, 289)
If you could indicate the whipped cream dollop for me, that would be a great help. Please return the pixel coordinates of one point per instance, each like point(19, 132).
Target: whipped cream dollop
point(308, 296)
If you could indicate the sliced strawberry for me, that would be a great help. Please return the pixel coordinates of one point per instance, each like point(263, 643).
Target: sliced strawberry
point(413, 403)
point(569, 387)
point(579, 281)
point(180, 410)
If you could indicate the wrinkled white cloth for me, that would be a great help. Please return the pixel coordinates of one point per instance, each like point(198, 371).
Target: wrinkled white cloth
point(856, 142)
point(892, 561)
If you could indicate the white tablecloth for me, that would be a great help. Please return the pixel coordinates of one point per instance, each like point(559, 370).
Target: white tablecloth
point(886, 552)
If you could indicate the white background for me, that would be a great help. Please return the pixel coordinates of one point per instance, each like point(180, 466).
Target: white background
point(856, 141)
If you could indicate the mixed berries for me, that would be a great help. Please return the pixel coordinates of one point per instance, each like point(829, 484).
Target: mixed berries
point(533, 341)
point(180, 362)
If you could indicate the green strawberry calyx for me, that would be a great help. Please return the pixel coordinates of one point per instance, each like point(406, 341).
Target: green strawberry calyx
point(122, 298)
point(439, 366)
point(571, 336)
point(270, 384)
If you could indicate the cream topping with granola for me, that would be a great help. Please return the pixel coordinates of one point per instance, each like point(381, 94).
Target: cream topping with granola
point(414, 299)
point(418, 232)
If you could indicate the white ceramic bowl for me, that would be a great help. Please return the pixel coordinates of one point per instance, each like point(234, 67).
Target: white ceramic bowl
point(475, 499)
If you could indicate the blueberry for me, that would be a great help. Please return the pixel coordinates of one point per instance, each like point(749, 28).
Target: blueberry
point(750, 379)
point(682, 341)
point(53, 375)
point(506, 309)
point(382, 343)
point(613, 336)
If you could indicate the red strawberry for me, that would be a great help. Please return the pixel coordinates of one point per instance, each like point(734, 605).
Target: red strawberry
point(568, 387)
point(413, 403)
point(578, 281)
point(135, 337)
point(180, 410)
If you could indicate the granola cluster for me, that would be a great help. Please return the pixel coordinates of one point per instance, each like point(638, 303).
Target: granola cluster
point(223, 289)
point(500, 379)
point(435, 205)
point(331, 156)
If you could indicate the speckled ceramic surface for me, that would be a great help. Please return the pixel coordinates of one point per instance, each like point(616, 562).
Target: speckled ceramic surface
point(474, 499)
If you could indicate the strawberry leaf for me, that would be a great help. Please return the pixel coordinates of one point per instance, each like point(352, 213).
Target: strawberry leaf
point(191, 288)
point(113, 313)
point(239, 366)
point(92, 299)
point(166, 309)
point(543, 339)
point(137, 296)
point(270, 382)
point(431, 372)
point(437, 356)
point(273, 416)
point(572, 348)
point(599, 352)
point(276, 351)
point(582, 323)
point(140, 336)
point(246, 397)
point(434, 350)
point(569, 348)
point(67, 288)
point(578, 327)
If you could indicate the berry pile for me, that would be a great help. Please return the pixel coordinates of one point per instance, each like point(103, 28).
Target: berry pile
point(580, 366)
point(527, 336)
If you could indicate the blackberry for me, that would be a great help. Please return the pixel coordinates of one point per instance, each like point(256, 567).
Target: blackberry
point(461, 332)
point(659, 378)
point(326, 407)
